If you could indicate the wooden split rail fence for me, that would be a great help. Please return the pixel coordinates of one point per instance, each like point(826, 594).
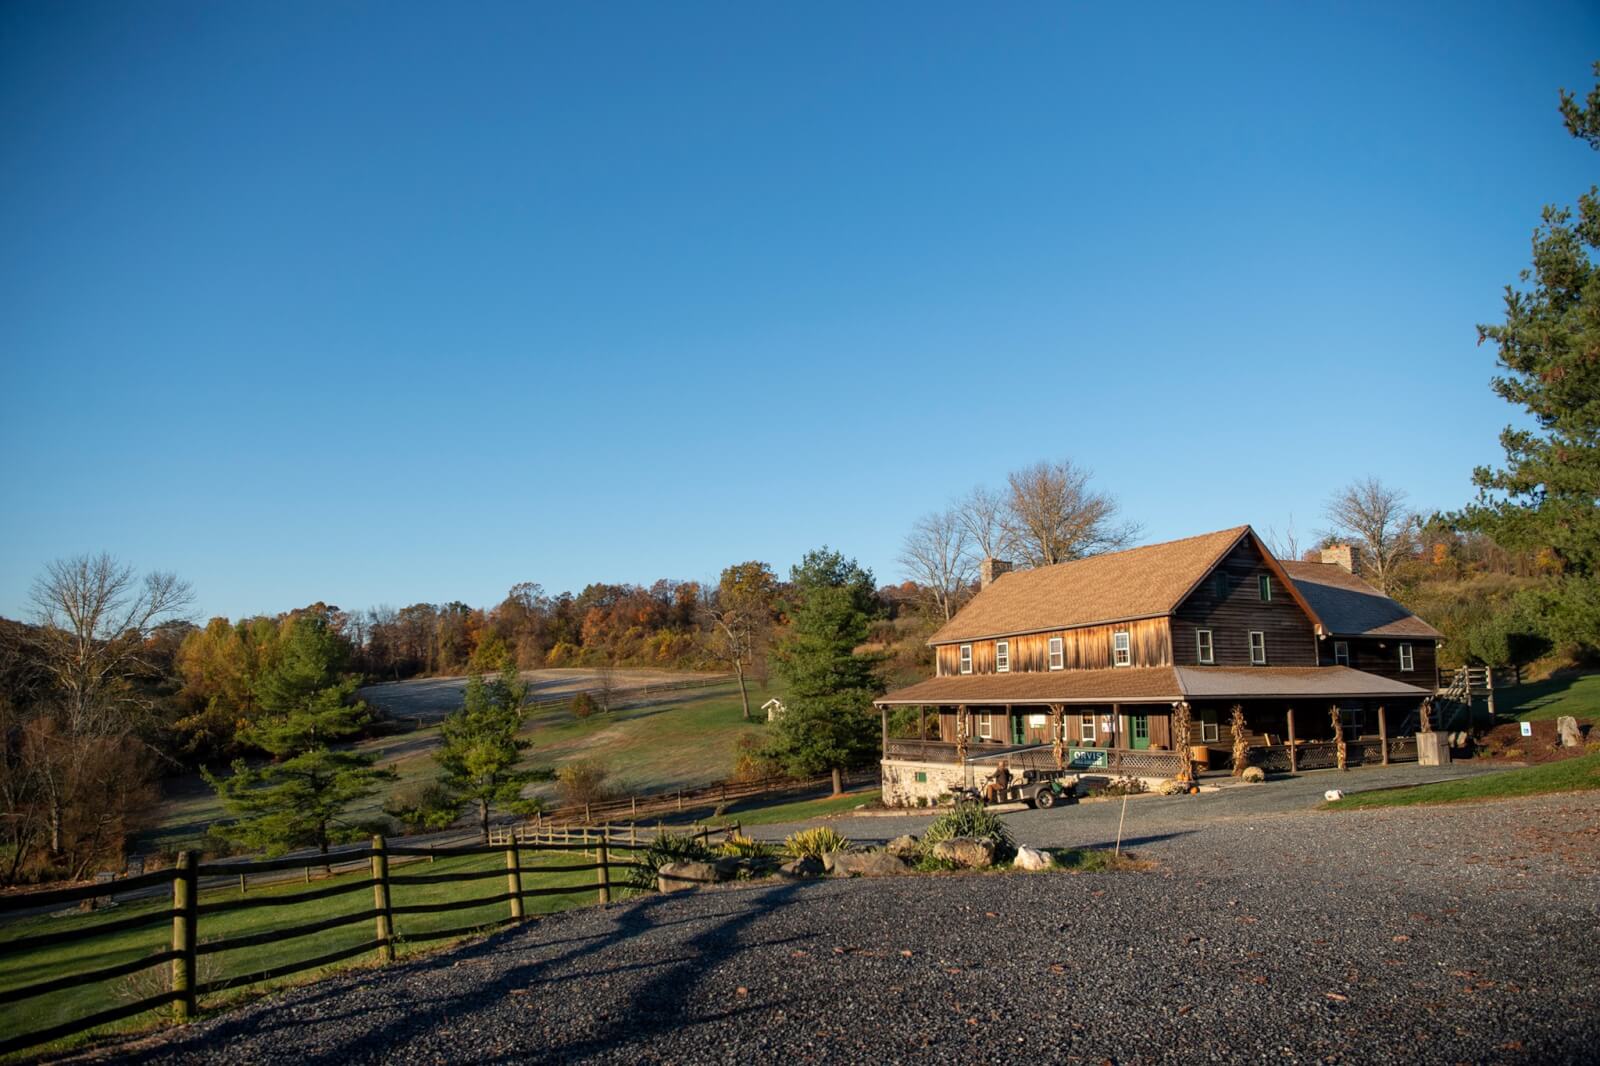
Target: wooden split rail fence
point(188, 912)
point(657, 803)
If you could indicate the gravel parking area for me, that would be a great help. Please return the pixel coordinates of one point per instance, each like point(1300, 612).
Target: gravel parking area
point(1403, 935)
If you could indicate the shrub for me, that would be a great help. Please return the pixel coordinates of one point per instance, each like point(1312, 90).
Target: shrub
point(970, 820)
point(1253, 774)
point(1126, 786)
point(750, 763)
point(422, 805)
point(743, 847)
point(582, 781)
point(665, 848)
point(584, 705)
point(814, 842)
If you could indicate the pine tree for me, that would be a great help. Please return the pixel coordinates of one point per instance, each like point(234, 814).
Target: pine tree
point(480, 752)
point(828, 723)
point(299, 799)
point(1544, 498)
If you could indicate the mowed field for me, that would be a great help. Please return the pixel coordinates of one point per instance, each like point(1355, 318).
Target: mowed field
point(655, 738)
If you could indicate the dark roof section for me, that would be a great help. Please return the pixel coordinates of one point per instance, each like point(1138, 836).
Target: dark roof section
point(1350, 607)
point(1163, 684)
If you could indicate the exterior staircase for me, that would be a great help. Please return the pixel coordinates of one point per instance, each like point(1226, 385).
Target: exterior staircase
point(1451, 703)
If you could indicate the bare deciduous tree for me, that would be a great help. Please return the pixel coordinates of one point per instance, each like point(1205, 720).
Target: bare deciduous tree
point(937, 556)
point(737, 616)
point(1375, 517)
point(1053, 516)
point(983, 515)
point(1285, 545)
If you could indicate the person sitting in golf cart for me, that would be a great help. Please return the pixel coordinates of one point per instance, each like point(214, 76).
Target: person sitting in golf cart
point(995, 790)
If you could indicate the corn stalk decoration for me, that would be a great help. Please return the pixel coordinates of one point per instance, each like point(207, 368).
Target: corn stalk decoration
point(961, 735)
point(1338, 736)
point(1056, 746)
point(1427, 715)
point(1241, 746)
point(1180, 740)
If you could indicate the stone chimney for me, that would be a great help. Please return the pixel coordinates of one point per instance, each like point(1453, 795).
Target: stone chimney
point(1342, 555)
point(990, 569)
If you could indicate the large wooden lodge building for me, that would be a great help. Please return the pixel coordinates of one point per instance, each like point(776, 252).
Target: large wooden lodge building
point(1084, 663)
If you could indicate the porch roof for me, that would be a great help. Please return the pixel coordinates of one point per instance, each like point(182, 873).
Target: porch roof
point(1164, 684)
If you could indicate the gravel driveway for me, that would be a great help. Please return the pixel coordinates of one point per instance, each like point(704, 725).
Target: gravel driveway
point(1391, 936)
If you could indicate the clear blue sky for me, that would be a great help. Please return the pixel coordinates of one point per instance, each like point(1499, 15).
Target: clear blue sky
point(379, 303)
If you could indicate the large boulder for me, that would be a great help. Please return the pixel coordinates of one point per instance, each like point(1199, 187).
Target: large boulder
point(804, 867)
point(1033, 859)
point(677, 876)
point(905, 847)
point(974, 853)
point(1567, 731)
point(864, 864)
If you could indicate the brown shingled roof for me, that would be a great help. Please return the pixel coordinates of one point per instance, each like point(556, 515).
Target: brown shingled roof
point(1137, 583)
point(1350, 607)
point(1164, 684)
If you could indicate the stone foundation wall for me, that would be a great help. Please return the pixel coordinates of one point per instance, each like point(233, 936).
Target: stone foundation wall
point(901, 787)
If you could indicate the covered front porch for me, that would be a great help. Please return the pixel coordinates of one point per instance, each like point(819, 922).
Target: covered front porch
point(951, 745)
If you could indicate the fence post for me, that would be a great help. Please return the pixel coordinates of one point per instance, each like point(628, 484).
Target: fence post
point(605, 872)
point(1383, 735)
point(380, 900)
point(1294, 759)
point(514, 880)
point(183, 936)
point(680, 799)
point(633, 806)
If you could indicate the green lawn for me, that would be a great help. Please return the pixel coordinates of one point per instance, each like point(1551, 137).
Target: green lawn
point(1568, 775)
point(40, 964)
point(683, 739)
point(1578, 696)
point(800, 810)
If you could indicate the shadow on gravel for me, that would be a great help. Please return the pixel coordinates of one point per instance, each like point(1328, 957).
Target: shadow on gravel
point(1135, 842)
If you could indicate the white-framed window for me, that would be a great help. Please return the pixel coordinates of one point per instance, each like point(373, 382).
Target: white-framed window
point(1341, 653)
point(1408, 662)
point(1204, 652)
point(1264, 587)
point(966, 658)
point(1258, 648)
point(1057, 655)
point(1210, 730)
point(1121, 648)
point(1086, 729)
point(986, 726)
point(1002, 656)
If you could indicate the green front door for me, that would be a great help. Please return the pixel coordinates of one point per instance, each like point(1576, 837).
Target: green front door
point(1138, 730)
point(1018, 728)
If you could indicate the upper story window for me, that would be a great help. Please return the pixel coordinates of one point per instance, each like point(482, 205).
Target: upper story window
point(1057, 658)
point(1264, 586)
point(1407, 661)
point(986, 726)
point(1219, 585)
point(1341, 653)
point(1204, 652)
point(1258, 648)
point(966, 658)
point(1121, 649)
point(1002, 656)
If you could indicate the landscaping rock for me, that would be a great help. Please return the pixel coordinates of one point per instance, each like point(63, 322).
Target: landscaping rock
point(804, 867)
point(1033, 859)
point(677, 876)
point(1333, 794)
point(728, 867)
point(864, 864)
point(1253, 775)
point(971, 852)
point(905, 846)
point(1567, 731)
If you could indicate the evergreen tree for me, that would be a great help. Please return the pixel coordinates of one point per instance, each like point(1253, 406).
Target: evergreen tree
point(300, 797)
point(1545, 498)
point(481, 749)
point(828, 724)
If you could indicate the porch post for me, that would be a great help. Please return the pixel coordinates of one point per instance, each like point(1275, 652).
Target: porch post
point(1112, 758)
point(922, 722)
point(884, 712)
point(1294, 761)
point(1383, 734)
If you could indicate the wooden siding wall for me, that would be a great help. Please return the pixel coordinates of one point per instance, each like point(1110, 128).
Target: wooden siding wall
point(1381, 656)
point(1291, 640)
point(1085, 648)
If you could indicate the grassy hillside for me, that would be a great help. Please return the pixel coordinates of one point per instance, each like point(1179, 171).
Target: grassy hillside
point(1577, 695)
point(675, 740)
